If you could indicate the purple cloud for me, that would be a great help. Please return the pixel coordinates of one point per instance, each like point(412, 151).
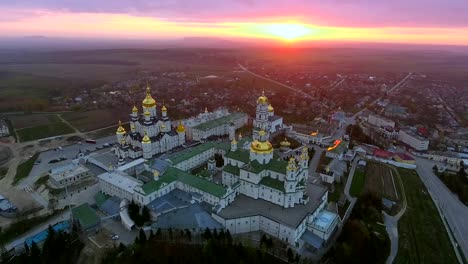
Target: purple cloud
point(346, 13)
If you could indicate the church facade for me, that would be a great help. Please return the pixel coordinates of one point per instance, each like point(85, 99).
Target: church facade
point(151, 132)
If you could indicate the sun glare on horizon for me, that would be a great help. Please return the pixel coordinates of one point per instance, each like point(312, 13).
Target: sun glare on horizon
point(288, 31)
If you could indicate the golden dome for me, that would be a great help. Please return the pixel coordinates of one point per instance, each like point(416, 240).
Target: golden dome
point(135, 109)
point(132, 127)
point(120, 129)
point(148, 101)
point(180, 128)
point(163, 126)
point(234, 141)
point(164, 109)
point(146, 139)
point(262, 99)
point(285, 143)
point(270, 108)
point(147, 113)
point(261, 147)
point(262, 133)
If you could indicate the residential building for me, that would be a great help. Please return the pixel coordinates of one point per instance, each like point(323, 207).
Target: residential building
point(413, 140)
point(380, 121)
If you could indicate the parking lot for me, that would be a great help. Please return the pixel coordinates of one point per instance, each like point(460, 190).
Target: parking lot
point(69, 152)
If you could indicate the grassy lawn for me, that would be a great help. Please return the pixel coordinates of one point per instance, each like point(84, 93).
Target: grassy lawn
point(24, 168)
point(3, 172)
point(422, 235)
point(334, 196)
point(358, 182)
point(43, 131)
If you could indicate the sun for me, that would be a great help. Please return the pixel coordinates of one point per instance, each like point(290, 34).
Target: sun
point(288, 31)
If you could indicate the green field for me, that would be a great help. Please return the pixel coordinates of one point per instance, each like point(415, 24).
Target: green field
point(43, 131)
point(21, 121)
point(422, 235)
point(95, 119)
point(357, 185)
point(24, 168)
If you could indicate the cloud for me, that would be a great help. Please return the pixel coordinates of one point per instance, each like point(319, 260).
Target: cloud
point(341, 13)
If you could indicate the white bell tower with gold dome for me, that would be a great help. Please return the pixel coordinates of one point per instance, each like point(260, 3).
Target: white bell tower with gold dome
point(261, 149)
point(262, 113)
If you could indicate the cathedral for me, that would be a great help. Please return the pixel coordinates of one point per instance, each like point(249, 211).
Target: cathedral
point(256, 173)
point(151, 132)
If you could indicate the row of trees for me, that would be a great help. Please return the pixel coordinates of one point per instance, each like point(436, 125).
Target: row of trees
point(59, 247)
point(217, 247)
point(457, 183)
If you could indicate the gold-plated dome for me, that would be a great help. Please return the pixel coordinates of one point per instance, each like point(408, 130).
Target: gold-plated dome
point(135, 109)
point(234, 141)
point(164, 109)
point(148, 101)
point(270, 108)
point(262, 99)
point(120, 129)
point(261, 147)
point(163, 126)
point(146, 139)
point(147, 113)
point(285, 143)
point(180, 128)
point(132, 127)
point(262, 133)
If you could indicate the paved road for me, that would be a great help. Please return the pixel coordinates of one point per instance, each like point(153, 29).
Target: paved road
point(454, 211)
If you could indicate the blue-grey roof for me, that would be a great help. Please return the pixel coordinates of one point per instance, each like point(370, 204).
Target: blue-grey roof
point(111, 206)
point(190, 217)
point(312, 239)
point(160, 165)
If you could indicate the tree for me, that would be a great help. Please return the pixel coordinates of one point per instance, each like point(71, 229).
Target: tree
point(35, 251)
point(228, 237)
point(207, 234)
point(435, 169)
point(290, 255)
point(142, 236)
point(145, 215)
point(188, 235)
point(158, 233)
point(26, 247)
point(263, 240)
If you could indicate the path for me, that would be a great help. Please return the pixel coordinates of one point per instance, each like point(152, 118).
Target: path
point(69, 124)
point(346, 190)
point(276, 82)
point(391, 222)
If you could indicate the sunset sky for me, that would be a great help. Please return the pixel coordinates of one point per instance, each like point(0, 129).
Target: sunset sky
point(399, 21)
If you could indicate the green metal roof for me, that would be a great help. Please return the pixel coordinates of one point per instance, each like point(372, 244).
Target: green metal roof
point(173, 174)
point(240, 155)
point(277, 166)
point(188, 153)
point(274, 165)
point(272, 183)
point(100, 198)
point(232, 169)
point(153, 185)
point(219, 121)
point(86, 216)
